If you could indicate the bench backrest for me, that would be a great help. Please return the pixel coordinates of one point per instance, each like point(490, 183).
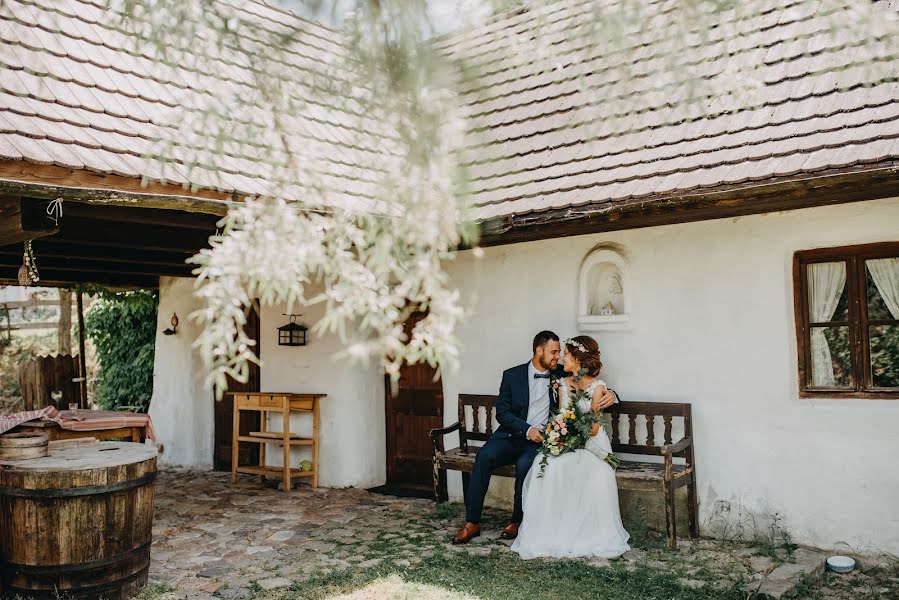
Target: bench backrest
point(471, 429)
point(643, 420)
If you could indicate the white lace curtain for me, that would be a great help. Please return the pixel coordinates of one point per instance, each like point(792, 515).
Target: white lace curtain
point(826, 282)
point(885, 273)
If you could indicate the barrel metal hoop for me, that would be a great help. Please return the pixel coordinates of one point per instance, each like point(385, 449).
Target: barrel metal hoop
point(96, 588)
point(89, 490)
point(16, 568)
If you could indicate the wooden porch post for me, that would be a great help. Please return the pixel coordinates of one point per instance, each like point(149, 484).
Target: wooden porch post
point(82, 358)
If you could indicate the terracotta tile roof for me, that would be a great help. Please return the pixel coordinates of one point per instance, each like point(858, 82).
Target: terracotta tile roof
point(539, 143)
point(76, 91)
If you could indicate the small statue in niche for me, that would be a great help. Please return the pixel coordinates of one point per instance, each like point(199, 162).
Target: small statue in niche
point(615, 286)
point(607, 310)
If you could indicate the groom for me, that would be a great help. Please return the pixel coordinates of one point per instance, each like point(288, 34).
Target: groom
point(523, 408)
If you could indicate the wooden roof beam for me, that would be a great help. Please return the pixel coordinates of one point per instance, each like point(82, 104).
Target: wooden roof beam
point(134, 236)
point(177, 219)
point(23, 178)
point(52, 248)
point(67, 265)
point(70, 279)
point(21, 220)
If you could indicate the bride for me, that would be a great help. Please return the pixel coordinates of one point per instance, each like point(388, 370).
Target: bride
point(572, 510)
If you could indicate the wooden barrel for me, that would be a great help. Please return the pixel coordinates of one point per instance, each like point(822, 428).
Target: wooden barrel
point(21, 446)
point(78, 522)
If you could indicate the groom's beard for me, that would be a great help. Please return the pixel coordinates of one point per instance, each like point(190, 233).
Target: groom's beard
point(547, 365)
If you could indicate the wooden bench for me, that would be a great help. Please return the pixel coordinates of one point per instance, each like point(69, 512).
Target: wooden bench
point(665, 476)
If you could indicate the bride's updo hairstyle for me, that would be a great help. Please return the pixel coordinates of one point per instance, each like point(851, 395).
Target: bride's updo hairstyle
point(585, 349)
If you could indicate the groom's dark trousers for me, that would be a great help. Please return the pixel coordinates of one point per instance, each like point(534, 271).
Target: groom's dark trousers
point(507, 446)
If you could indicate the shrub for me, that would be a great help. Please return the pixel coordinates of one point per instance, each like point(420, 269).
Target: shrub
point(122, 327)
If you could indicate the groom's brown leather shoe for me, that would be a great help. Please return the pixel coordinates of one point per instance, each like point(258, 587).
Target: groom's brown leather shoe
point(468, 531)
point(510, 532)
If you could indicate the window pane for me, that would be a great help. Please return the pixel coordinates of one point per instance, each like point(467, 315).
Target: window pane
point(885, 355)
point(827, 292)
point(883, 289)
point(831, 365)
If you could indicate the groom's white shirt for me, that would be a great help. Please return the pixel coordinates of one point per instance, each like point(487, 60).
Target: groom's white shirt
point(538, 407)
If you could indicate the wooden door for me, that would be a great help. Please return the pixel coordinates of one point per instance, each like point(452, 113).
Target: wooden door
point(224, 411)
point(415, 409)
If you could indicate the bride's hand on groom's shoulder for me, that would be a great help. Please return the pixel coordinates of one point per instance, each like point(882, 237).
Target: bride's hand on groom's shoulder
point(602, 399)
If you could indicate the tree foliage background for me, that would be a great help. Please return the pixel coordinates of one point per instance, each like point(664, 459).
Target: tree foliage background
point(122, 327)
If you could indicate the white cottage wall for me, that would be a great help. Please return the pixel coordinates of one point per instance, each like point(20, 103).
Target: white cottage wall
point(182, 402)
point(712, 324)
point(353, 449)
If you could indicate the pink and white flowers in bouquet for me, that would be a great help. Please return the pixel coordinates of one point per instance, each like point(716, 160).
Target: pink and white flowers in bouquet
point(566, 431)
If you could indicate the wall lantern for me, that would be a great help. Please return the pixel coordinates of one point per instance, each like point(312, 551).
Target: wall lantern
point(174, 328)
point(292, 334)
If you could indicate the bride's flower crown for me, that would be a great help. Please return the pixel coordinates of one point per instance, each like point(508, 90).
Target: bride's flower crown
point(575, 344)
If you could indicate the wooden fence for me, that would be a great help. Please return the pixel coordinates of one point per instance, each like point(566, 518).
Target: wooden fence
point(7, 326)
point(39, 376)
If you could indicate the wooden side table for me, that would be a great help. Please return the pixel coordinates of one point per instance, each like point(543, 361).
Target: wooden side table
point(276, 403)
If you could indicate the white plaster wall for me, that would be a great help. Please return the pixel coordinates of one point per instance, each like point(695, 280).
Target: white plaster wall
point(353, 446)
point(712, 324)
point(352, 451)
point(182, 402)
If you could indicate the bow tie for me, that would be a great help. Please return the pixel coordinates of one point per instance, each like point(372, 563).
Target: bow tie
point(542, 376)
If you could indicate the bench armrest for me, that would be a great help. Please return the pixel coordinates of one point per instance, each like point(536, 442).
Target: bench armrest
point(677, 446)
point(445, 430)
point(436, 433)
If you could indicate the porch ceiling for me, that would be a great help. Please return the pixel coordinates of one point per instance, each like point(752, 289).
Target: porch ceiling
point(118, 246)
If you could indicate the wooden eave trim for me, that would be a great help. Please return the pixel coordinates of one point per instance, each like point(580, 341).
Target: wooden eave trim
point(837, 187)
point(871, 183)
point(49, 181)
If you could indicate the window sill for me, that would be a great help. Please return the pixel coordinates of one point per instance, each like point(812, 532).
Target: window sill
point(848, 395)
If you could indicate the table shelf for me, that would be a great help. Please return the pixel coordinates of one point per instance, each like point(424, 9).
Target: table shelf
point(274, 434)
point(273, 471)
point(285, 404)
point(294, 441)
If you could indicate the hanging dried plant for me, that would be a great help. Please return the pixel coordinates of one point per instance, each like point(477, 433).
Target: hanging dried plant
point(28, 273)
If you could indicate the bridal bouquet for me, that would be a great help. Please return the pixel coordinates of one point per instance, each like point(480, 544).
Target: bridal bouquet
point(570, 429)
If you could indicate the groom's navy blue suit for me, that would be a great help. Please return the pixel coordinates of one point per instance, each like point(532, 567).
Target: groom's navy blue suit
point(509, 444)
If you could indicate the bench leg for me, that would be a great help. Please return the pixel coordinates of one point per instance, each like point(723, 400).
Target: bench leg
point(693, 508)
point(670, 516)
point(440, 491)
point(444, 491)
point(466, 477)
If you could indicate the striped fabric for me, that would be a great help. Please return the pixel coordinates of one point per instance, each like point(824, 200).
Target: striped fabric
point(9, 421)
point(82, 420)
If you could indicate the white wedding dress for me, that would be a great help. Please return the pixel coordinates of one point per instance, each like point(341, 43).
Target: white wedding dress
point(572, 511)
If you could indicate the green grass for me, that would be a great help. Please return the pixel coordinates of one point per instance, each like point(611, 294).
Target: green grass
point(503, 575)
point(153, 591)
point(447, 510)
point(642, 536)
point(777, 538)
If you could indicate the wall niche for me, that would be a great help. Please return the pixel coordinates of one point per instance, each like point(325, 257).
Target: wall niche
point(603, 299)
